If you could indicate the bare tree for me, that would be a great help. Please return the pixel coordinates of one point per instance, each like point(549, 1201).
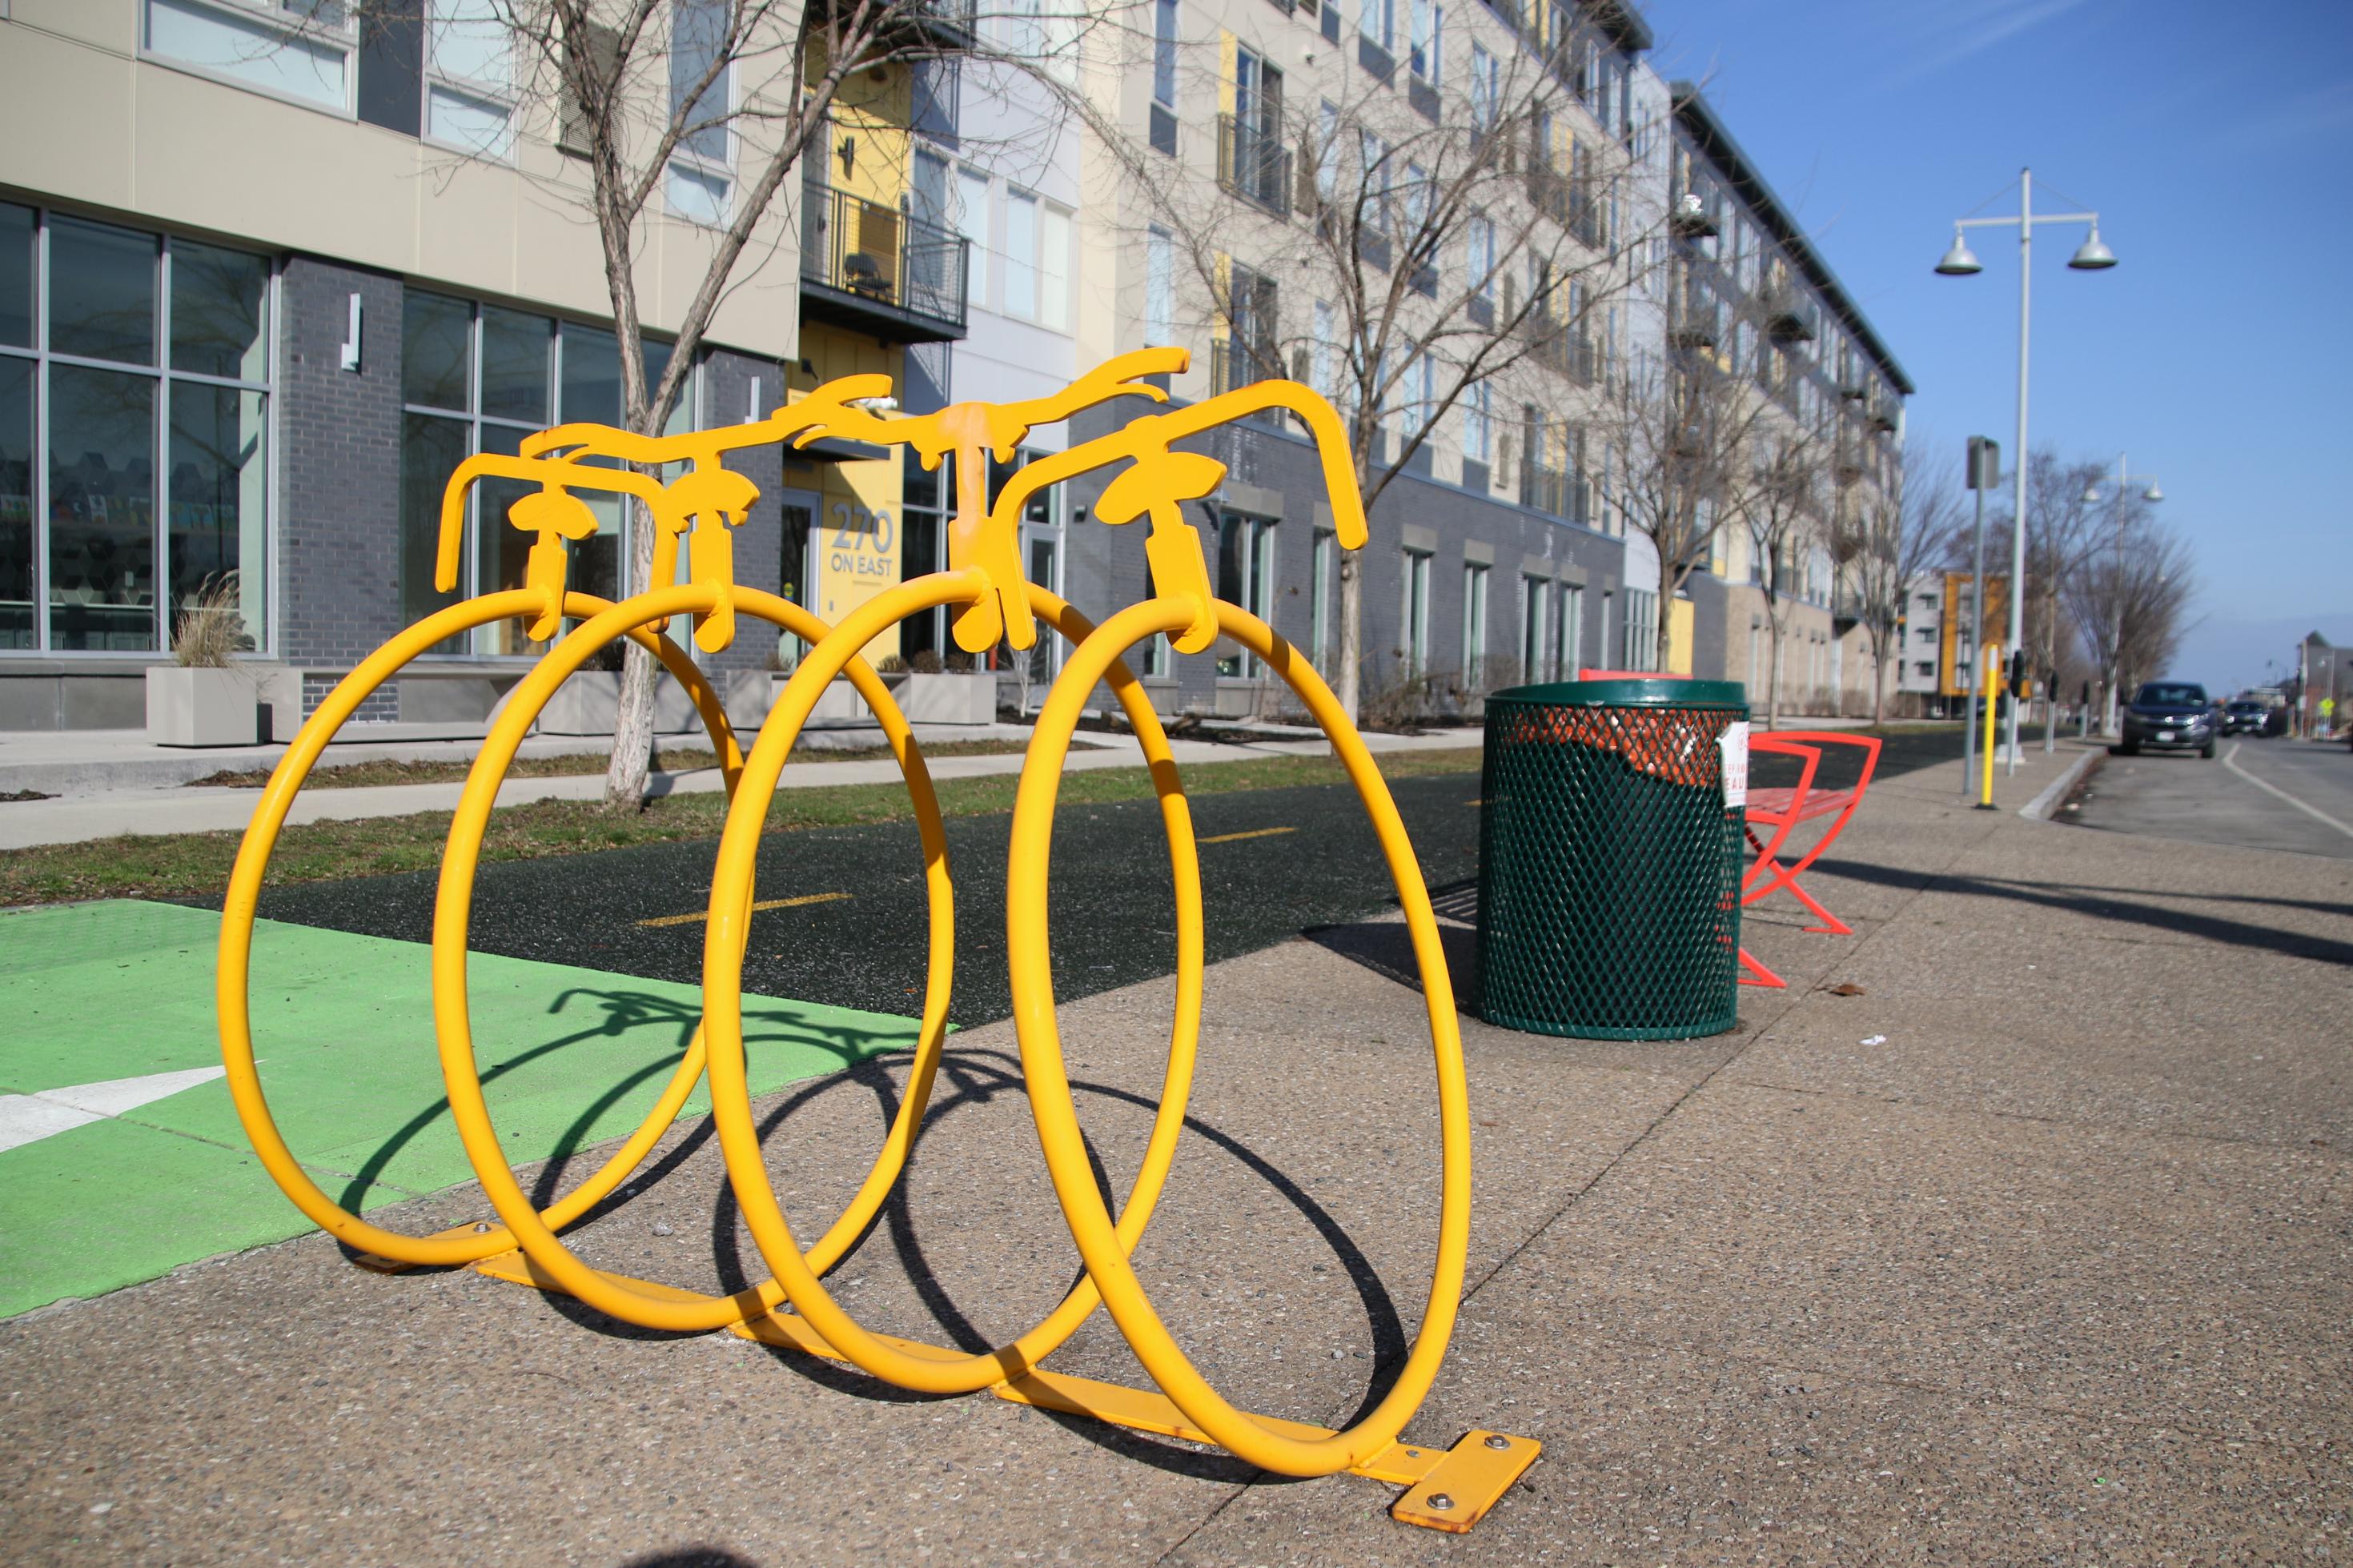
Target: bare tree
point(1464, 243)
point(1681, 428)
point(2062, 531)
point(629, 89)
point(1777, 495)
point(2132, 609)
point(1886, 544)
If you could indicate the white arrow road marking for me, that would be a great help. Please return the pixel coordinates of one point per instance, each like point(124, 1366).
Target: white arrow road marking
point(29, 1118)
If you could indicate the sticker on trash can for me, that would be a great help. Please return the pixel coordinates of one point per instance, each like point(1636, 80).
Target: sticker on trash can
point(1735, 741)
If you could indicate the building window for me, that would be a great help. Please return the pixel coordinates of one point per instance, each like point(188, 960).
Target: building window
point(480, 379)
point(698, 185)
point(1245, 576)
point(1478, 234)
point(1163, 114)
point(1642, 629)
point(1322, 644)
point(1424, 46)
point(469, 79)
point(135, 425)
point(1569, 634)
point(1020, 254)
point(971, 222)
point(920, 534)
point(1415, 619)
point(1159, 288)
point(1474, 625)
point(1378, 22)
point(301, 53)
point(1036, 260)
point(1534, 591)
point(1478, 424)
point(1486, 92)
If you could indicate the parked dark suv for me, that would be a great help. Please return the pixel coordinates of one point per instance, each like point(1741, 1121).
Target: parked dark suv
point(2244, 718)
point(2170, 714)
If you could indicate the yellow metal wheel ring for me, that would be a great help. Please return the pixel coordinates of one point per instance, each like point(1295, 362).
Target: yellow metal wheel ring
point(919, 1367)
point(1105, 1246)
point(671, 1309)
point(233, 974)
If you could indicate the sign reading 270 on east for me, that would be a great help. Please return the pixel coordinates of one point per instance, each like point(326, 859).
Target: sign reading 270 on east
point(856, 544)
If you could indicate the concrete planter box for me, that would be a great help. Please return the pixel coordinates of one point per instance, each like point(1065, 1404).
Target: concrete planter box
point(954, 697)
point(187, 706)
point(585, 703)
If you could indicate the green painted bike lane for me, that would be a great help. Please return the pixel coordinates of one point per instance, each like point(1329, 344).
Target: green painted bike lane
point(94, 993)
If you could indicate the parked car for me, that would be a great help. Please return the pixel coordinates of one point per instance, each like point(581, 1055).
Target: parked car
point(2244, 718)
point(2173, 715)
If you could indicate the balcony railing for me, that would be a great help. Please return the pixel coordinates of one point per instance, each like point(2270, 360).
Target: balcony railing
point(1568, 202)
point(1789, 317)
point(1558, 346)
point(1562, 494)
point(1694, 327)
point(1253, 164)
point(874, 267)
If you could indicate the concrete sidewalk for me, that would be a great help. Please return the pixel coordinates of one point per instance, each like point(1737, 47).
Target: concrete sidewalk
point(2035, 1248)
point(179, 807)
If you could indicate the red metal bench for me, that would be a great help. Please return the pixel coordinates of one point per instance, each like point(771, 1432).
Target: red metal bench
point(1781, 808)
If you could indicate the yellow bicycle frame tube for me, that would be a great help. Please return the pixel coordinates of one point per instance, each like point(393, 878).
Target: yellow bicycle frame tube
point(233, 974)
point(675, 1310)
point(1105, 1248)
point(923, 1369)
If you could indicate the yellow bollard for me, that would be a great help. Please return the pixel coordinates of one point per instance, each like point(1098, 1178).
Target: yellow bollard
point(1446, 1488)
point(1991, 683)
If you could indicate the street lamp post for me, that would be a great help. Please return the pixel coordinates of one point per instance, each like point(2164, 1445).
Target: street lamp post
point(2116, 649)
point(1959, 262)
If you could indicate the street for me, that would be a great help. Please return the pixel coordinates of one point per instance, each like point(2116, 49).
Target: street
point(2256, 795)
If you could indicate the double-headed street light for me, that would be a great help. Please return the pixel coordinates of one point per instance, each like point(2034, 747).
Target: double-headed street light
point(1959, 262)
point(2125, 481)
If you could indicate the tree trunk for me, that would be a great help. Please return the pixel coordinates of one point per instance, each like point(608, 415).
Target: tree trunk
point(633, 715)
point(1879, 682)
point(1345, 684)
point(1773, 666)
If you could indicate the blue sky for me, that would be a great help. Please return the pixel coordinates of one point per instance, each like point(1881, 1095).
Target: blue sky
point(2216, 144)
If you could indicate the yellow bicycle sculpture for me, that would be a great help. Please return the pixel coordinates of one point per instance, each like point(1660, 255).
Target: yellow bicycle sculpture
point(984, 586)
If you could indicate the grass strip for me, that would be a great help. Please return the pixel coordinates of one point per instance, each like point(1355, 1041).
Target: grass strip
point(197, 864)
point(572, 764)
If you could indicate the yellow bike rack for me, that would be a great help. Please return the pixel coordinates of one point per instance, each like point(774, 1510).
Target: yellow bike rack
point(1446, 1488)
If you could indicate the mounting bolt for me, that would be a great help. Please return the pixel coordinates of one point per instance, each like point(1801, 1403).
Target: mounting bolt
point(1498, 1440)
point(1440, 1501)
point(482, 1227)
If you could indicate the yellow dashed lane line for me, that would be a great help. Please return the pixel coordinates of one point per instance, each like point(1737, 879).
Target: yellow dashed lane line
point(756, 908)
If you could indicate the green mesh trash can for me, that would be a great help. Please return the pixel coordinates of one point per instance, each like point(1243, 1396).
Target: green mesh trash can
point(1609, 860)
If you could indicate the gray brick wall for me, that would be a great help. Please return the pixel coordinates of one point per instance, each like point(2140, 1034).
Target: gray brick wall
point(339, 469)
point(726, 392)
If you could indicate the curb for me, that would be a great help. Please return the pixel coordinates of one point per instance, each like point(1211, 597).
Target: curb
point(2040, 808)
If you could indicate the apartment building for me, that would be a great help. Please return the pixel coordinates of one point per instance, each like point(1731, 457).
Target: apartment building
point(289, 271)
point(1268, 203)
point(284, 272)
point(1756, 303)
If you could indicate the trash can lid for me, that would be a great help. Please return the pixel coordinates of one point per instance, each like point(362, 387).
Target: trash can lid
point(1658, 692)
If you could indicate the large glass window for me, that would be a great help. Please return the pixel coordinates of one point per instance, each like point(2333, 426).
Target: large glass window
point(1245, 576)
point(479, 378)
point(134, 412)
point(16, 503)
